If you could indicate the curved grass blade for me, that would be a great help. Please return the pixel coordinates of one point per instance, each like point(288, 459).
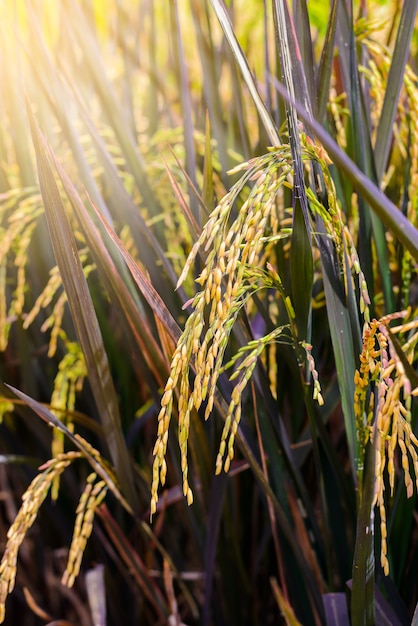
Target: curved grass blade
point(394, 85)
point(342, 345)
point(186, 105)
point(390, 215)
point(150, 294)
point(83, 314)
point(283, 604)
point(225, 22)
point(113, 281)
point(326, 63)
point(98, 466)
point(303, 37)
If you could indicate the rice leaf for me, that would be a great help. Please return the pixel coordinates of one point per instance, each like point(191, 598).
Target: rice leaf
point(208, 192)
point(225, 22)
point(115, 286)
point(326, 63)
point(301, 270)
point(342, 344)
point(186, 105)
point(390, 215)
point(302, 28)
point(83, 314)
point(362, 592)
point(98, 466)
point(400, 56)
point(217, 497)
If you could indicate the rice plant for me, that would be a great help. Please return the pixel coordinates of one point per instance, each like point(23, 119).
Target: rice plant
point(208, 312)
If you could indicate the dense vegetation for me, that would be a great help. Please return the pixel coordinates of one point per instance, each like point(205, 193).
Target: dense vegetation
point(208, 312)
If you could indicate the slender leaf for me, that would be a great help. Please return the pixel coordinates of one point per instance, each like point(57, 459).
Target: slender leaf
point(326, 63)
point(83, 314)
point(186, 105)
point(362, 593)
point(301, 268)
point(394, 85)
point(302, 31)
point(111, 278)
point(225, 22)
point(390, 215)
point(98, 466)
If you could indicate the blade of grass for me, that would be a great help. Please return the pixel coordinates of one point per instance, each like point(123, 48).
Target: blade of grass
point(400, 56)
point(217, 497)
point(93, 64)
point(111, 278)
point(362, 592)
point(326, 63)
point(283, 604)
point(98, 466)
point(208, 192)
point(303, 37)
point(191, 222)
point(301, 271)
point(342, 345)
point(186, 106)
point(390, 215)
point(83, 314)
point(225, 22)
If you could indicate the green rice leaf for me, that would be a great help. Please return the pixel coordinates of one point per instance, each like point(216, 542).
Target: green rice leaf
point(301, 270)
point(362, 592)
point(326, 63)
point(302, 30)
point(390, 215)
point(400, 56)
point(225, 22)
